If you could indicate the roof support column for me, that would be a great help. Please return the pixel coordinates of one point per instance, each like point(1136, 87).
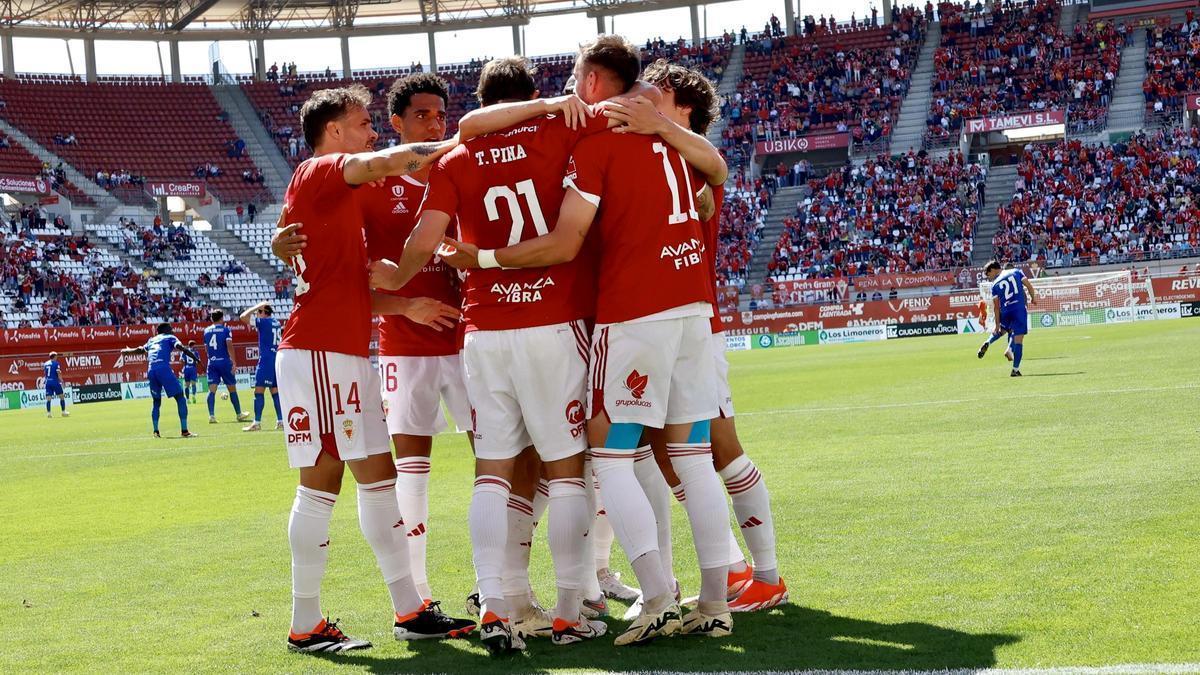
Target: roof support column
point(6, 48)
point(789, 16)
point(432, 52)
point(599, 24)
point(696, 37)
point(260, 59)
point(345, 40)
point(176, 68)
point(89, 58)
point(517, 40)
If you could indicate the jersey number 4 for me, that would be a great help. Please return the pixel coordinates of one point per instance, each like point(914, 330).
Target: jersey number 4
point(524, 189)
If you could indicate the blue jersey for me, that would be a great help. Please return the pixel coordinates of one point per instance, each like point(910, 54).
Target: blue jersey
point(50, 368)
point(158, 350)
point(215, 342)
point(188, 361)
point(1010, 290)
point(268, 337)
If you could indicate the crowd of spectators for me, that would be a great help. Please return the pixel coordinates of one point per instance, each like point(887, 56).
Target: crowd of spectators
point(118, 178)
point(104, 294)
point(1013, 56)
point(1094, 203)
point(889, 215)
point(157, 242)
point(843, 80)
point(1172, 63)
point(743, 217)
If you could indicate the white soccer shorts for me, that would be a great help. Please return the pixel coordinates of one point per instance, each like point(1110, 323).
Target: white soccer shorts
point(332, 405)
point(414, 388)
point(527, 387)
point(724, 391)
point(654, 372)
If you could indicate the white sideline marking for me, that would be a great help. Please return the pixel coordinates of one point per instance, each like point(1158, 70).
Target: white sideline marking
point(949, 401)
point(1127, 669)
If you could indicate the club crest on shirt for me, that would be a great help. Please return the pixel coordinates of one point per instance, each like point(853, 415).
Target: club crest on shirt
point(348, 429)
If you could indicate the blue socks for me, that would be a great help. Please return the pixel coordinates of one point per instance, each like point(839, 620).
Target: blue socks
point(237, 405)
point(155, 410)
point(1017, 349)
point(995, 337)
point(181, 403)
point(278, 410)
point(212, 404)
point(259, 401)
point(47, 404)
point(62, 403)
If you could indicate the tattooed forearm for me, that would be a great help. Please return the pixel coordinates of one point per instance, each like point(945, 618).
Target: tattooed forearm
point(413, 165)
point(425, 149)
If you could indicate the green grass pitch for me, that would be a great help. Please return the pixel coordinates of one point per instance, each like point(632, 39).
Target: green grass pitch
point(931, 512)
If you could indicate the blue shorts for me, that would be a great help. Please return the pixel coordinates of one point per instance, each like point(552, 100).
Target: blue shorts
point(264, 374)
point(1016, 322)
point(53, 389)
point(162, 380)
point(190, 374)
point(221, 372)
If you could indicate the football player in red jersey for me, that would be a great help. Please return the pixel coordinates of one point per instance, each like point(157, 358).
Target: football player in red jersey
point(418, 363)
point(326, 381)
point(651, 359)
point(525, 351)
point(688, 100)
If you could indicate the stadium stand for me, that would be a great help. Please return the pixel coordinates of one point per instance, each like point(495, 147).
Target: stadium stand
point(203, 266)
point(18, 161)
point(902, 214)
point(59, 280)
point(130, 132)
point(1090, 203)
point(1017, 58)
point(844, 79)
point(1172, 64)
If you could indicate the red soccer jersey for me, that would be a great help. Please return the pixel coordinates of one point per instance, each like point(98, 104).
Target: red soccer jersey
point(712, 229)
point(333, 296)
point(651, 242)
point(391, 215)
point(507, 187)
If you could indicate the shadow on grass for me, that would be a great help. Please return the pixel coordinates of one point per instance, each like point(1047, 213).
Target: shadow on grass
point(1078, 372)
point(787, 638)
point(1043, 358)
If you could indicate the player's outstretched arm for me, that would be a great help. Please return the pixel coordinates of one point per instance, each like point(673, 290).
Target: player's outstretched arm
point(558, 246)
point(418, 249)
point(133, 350)
point(638, 115)
point(425, 311)
point(503, 115)
point(365, 167)
point(1033, 296)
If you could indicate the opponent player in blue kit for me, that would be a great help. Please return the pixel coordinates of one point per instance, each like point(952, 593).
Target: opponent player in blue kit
point(190, 374)
point(54, 386)
point(218, 343)
point(259, 317)
point(161, 377)
point(1009, 306)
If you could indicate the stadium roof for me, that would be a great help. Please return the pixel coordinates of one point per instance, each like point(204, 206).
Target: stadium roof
point(231, 19)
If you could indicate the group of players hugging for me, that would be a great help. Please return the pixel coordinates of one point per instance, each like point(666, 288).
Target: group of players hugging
point(547, 274)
